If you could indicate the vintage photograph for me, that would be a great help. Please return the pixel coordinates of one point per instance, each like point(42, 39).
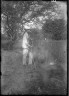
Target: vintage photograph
point(33, 47)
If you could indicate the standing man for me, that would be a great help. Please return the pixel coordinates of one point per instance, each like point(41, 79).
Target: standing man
point(25, 45)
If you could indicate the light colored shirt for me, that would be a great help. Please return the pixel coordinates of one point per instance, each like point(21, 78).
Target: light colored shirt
point(25, 40)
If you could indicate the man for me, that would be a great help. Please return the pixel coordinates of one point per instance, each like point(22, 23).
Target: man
point(25, 45)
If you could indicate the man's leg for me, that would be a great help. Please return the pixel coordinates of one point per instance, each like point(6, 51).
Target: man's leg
point(30, 57)
point(25, 53)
